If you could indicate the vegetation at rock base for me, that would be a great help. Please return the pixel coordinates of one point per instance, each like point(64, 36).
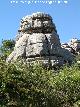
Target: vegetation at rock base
point(25, 85)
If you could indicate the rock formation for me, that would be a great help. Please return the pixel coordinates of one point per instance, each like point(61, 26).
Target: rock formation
point(73, 46)
point(37, 39)
point(68, 47)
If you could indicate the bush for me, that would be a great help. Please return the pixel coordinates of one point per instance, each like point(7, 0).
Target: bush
point(6, 48)
point(24, 85)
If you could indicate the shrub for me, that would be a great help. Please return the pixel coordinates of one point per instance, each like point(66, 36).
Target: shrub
point(24, 85)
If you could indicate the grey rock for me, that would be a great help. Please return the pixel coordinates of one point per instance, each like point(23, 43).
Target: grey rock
point(75, 44)
point(37, 39)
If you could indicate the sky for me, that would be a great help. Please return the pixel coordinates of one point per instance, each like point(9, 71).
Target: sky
point(65, 14)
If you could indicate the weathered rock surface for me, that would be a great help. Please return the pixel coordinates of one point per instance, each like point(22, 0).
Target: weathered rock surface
point(68, 47)
point(73, 46)
point(37, 39)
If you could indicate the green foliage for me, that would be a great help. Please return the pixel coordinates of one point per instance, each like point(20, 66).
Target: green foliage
point(6, 47)
point(24, 85)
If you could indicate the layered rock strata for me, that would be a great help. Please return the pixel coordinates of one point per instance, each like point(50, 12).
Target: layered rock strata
point(73, 46)
point(37, 39)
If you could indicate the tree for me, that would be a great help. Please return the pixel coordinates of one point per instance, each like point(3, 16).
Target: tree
point(7, 47)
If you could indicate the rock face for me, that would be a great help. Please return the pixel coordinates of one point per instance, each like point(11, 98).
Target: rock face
point(73, 46)
point(68, 47)
point(37, 39)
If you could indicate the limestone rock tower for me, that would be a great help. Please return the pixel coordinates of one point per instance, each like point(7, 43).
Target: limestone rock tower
point(37, 39)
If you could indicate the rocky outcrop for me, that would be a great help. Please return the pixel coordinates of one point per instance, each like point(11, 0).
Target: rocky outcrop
point(37, 39)
point(73, 46)
point(68, 47)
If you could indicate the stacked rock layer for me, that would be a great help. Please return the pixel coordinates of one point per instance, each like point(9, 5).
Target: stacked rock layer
point(37, 39)
point(73, 46)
